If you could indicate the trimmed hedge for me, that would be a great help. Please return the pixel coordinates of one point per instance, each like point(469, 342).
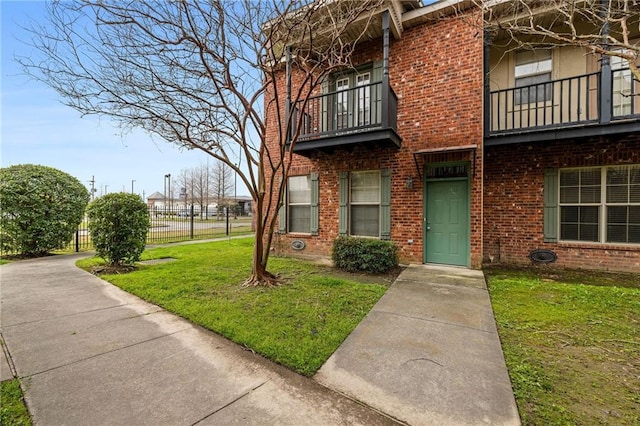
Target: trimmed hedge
point(118, 224)
point(364, 255)
point(41, 208)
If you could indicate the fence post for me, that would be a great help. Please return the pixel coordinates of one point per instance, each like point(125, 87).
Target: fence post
point(227, 210)
point(191, 229)
point(77, 241)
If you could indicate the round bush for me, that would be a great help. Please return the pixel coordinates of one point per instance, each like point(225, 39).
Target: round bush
point(118, 224)
point(41, 208)
point(354, 254)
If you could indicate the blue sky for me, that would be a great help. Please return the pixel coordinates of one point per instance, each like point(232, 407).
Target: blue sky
point(37, 128)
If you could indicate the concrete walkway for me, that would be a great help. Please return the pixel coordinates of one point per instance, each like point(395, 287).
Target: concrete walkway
point(428, 353)
point(88, 353)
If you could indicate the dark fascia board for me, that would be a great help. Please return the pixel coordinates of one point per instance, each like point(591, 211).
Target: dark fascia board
point(379, 135)
point(626, 127)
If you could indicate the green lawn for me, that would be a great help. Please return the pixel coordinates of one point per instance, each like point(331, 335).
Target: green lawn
point(298, 324)
point(571, 339)
point(572, 343)
point(12, 409)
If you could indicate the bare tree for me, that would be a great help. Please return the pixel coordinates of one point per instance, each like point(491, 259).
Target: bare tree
point(197, 74)
point(200, 188)
point(183, 186)
point(221, 184)
point(605, 27)
point(195, 183)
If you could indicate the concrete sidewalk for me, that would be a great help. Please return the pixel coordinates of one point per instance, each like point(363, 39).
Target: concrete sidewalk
point(88, 353)
point(428, 353)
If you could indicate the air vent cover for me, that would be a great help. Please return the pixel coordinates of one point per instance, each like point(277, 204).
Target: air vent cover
point(543, 256)
point(297, 244)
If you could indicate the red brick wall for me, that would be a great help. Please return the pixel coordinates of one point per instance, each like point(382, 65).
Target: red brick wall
point(513, 199)
point(436, 72)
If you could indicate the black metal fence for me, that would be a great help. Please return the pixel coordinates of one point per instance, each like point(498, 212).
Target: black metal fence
point(348, 110)
point(178, 224)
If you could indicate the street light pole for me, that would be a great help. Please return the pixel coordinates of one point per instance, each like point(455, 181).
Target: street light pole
point(167, 177)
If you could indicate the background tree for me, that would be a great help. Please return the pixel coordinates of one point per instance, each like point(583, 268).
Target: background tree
point(605, 27)
point(196, 73)
point(42, 207)
point(222, 185)
point(118, 224)
point(200, 180)
point(184, 187)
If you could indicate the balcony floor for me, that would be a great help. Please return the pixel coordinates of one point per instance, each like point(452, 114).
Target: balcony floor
point(385, 137)
point(558, 132)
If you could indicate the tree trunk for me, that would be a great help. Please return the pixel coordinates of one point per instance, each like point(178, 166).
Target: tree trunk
point(259, 274)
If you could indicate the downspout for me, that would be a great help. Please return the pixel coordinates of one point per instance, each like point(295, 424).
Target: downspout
point(385, 69)
point(287, 106)
point(606, 84)
point(486, 64)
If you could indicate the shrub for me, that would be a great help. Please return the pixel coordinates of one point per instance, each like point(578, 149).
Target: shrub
point(41, 208)
point(364, 255)
point(118, 224)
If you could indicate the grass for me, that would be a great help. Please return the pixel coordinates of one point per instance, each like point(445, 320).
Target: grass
point(160, 236)
point(298, 324)
point(13, 412)
point(571, 341)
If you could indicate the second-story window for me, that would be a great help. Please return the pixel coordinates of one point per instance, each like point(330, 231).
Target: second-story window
point(622, 87)
point(342, 103)
point(363, 98)
point(352, 98)
point(532, 76)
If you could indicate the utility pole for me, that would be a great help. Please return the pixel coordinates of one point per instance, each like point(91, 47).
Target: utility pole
point(132, 181)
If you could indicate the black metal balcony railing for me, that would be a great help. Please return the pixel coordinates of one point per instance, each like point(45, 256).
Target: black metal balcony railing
point(563, 103)
point(356, 110)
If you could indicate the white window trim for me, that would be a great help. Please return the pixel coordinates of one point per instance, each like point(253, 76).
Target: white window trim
point(289, 204)
point(602, 206)
point(532, 69)
point(362, 203)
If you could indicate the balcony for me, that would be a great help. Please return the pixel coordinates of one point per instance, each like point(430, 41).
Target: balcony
point(364, 115)
point(572, 107)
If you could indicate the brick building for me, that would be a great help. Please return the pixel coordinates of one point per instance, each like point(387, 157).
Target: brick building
point(413, 144)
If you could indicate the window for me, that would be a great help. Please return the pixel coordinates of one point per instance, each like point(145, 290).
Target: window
point(299, 213)
point(623, 204)
point(622, 87)
point(353, 98)
point(532, 71)
point(342, 103)
point(299, 198)
point(365, 204)
point(364, 217)
point(597, 204)
point(364, 98)
point(580, 195)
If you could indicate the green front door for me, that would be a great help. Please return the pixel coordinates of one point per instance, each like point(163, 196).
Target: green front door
point(447, 222)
